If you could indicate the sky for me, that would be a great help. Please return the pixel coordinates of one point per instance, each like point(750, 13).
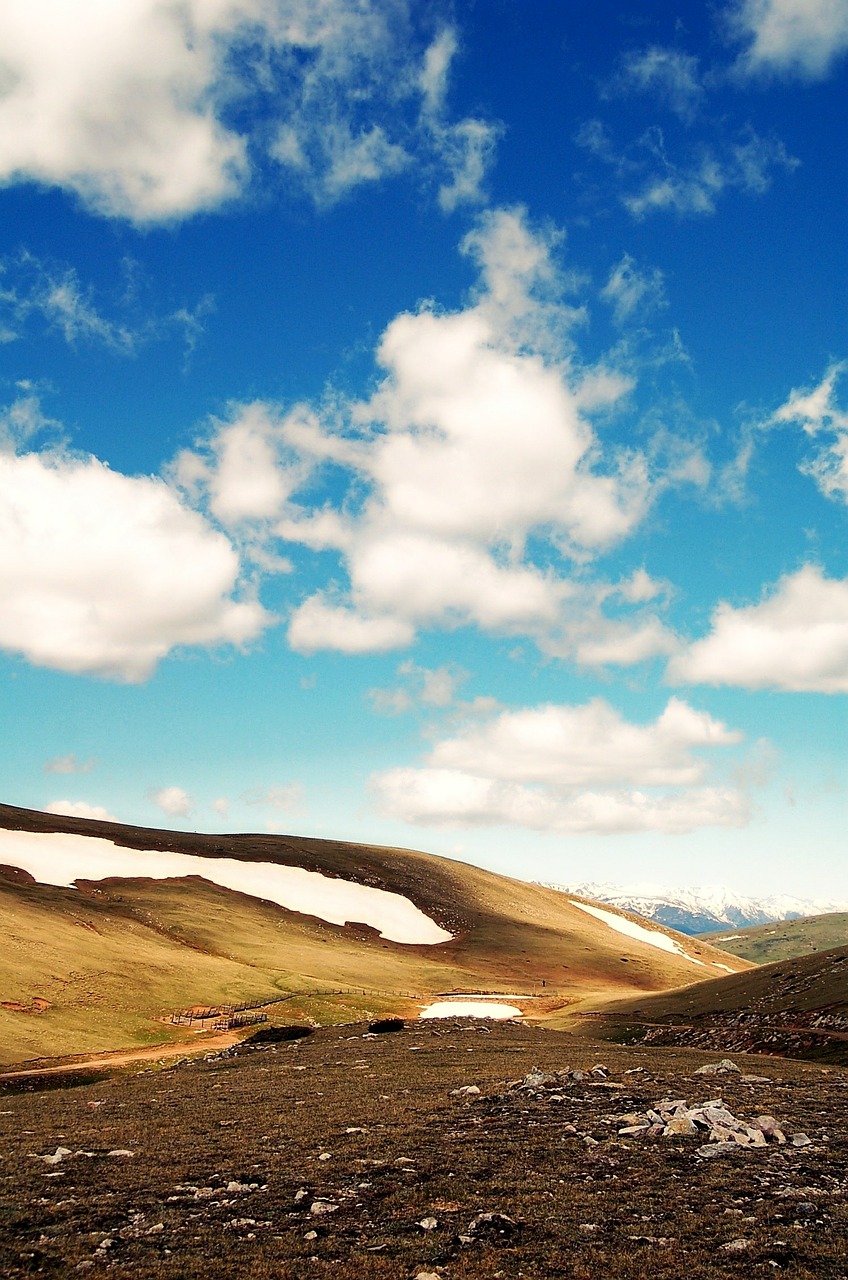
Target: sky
point(427, 424)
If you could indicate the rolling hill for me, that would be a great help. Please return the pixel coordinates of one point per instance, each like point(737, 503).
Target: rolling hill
point(782, 941)
point(109, 929)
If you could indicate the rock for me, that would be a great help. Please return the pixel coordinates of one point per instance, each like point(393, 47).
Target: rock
point(56, 1158)
point(428, 1224)
point(736, 1246)
point(723, 1068)
point(599, 1071)
point(320, 1207)
point(326, 1155)
point(427, 1275)
point(466, 1091)
point(680, 1126)
point(311, 1235)
point(766, 1124)
point(801, 1140)
point(536, 1079)
point(491, 1226)
point(300, 1195)
point(713, 1149)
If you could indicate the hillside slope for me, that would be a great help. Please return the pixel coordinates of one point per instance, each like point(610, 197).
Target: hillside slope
point(782, 941)
point(94, 966)
point(797, 1008)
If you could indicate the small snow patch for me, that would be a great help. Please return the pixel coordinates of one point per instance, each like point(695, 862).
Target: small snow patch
point(629, 927)
point(470, 1009)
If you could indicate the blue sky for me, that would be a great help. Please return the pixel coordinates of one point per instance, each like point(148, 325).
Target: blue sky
point(428, 424)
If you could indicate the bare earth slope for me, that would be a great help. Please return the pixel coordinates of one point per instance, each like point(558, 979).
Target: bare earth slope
point(798, 1008)
point(95, 966)
point(764, 943)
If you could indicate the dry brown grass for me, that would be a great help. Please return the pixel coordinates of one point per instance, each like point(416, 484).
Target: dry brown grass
point(401, 1149)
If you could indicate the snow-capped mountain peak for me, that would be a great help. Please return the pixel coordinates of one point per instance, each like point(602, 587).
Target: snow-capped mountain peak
point(703, 908)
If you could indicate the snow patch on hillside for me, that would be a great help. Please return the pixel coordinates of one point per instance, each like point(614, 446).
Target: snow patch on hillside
point(60, 859)
point(629, 927)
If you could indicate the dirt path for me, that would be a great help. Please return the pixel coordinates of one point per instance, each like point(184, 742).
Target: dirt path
point(125, 1057)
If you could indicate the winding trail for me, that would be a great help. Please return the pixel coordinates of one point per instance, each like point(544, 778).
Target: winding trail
point(125, 1057)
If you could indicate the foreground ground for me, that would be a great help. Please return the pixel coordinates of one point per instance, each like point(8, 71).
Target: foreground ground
point(350, 1156)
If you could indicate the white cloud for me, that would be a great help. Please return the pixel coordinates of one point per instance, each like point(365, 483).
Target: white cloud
point(434, 797)
point(104, 574)
point(317, 624)
point(173, 801)
point(792, 37)
point(587, 745)
point(629, 289)
point(285, 797)
point(670, 74)
point(55, 292)
point(795, 639)
point(570, 769)
point(422, 686)
point(815, 410)
point(129, 105)
point(470, 489)
point(243, 467)
point(68, 764)
point(694, 188)
point(80, 809)
point(221, 806)
point(477, 439)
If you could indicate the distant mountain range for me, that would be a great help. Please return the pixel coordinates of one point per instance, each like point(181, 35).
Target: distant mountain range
point(703, 909)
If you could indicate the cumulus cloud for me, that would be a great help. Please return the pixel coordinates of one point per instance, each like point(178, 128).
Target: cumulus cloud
point(791, 37)
point(795, 639)
point(173, 801)
point(80, 809)
point(133, 106)
point(104, 574)
point(475, 450)
point(570, 769)
point(477, 439)
point(68, 764)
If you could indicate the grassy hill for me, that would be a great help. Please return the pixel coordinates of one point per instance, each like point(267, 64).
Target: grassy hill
point(764, 943)
point(798, 1008)
point(101, 965)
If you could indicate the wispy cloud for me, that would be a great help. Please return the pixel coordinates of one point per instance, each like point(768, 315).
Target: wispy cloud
point(54, 292)
point(68, 764)
point(669, 75)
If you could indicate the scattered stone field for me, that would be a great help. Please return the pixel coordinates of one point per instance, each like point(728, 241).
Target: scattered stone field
point(459, 1151)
